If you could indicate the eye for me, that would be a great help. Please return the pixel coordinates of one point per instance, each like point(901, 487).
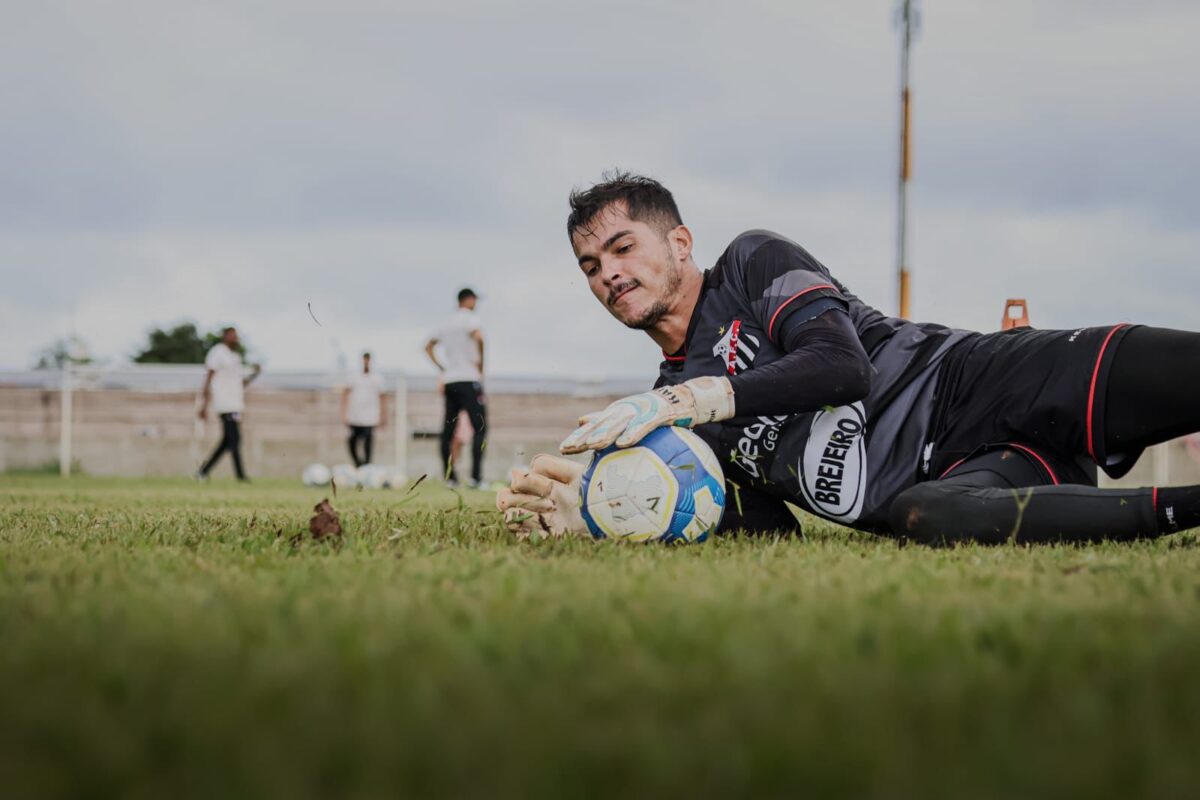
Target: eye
point(625, 248)
point(592, 270)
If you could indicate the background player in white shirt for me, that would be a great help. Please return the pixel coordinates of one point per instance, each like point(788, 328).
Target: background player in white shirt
point(459, 341)
point(363, 408)
point(224, 389)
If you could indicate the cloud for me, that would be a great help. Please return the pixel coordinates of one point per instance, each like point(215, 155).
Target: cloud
point(234, 162)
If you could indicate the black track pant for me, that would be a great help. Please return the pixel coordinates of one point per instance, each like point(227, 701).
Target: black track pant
point(366, 435)
point(231, 441)
point(992, 503)
point(1022, 491)
point(464, 396)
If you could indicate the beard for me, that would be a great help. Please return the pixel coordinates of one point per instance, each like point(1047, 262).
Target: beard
point(650, 317)
point(661, 306)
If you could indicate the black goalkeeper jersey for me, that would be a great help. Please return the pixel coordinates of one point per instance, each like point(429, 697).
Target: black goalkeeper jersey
point(845, 463)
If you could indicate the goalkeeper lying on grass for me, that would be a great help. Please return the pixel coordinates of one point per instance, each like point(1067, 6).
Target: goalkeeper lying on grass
point(906, 429)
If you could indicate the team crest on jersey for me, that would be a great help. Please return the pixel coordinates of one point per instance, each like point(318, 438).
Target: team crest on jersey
point(834, 466)
point(736, 349)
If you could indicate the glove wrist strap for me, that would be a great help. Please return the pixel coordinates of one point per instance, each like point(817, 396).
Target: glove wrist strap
point(713, 398)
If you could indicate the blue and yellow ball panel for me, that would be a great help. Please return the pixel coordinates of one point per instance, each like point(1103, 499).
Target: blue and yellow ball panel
point(668, 487)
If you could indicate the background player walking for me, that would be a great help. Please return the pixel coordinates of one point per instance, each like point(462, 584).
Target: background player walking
point(224, 388)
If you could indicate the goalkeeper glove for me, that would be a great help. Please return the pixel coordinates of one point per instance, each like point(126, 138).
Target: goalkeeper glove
point(544, 498)
point(627, 421)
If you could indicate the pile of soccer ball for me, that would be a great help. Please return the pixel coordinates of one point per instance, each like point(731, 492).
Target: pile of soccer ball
point(347, 476)
point(667, 488)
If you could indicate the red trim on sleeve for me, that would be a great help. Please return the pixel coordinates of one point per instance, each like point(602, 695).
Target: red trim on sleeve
point(1091, 404)
point(1154, 499)
point(771, 324)
point(674, 358)
point(1040, 460)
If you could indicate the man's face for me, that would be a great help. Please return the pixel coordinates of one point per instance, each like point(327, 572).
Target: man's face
point(366, 363)
point(230, 338)
point(630, 267)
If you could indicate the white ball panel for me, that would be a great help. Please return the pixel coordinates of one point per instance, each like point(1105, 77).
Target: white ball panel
point(612, 474)
point(654, 490)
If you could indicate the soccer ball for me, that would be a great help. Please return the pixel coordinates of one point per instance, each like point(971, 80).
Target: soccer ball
point(316, 475)
point(669, 488)
point(372, 476)
point(346, 476)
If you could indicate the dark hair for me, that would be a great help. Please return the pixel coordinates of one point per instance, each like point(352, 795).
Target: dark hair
point(366, 354)
point(225, 331)
point(464, 294)
point(646, 200)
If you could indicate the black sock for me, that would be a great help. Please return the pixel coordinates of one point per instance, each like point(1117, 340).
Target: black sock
point(1177, 508)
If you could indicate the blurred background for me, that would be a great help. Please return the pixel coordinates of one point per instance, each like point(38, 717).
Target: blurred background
point(326, 177)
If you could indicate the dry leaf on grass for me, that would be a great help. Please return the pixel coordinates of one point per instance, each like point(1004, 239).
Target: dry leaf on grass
point(325, 522)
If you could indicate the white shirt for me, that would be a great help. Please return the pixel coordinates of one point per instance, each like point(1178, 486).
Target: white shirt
point(227, 394)
point(362, 409)
point(460, 353)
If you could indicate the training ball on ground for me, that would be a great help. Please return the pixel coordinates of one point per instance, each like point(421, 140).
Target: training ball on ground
point(316, 475)
point(372, 476)
point(345, 475)
point(669, 487)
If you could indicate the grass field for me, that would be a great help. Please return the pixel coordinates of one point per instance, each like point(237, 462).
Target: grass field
point(163, 639)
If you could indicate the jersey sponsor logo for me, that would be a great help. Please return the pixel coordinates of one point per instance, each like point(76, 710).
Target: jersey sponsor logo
point(736, 348)
point(757, 439)
point(834, 466)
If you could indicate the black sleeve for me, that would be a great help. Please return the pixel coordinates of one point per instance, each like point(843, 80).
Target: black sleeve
point(825, 365)
point(753, 511)
point(780, 279)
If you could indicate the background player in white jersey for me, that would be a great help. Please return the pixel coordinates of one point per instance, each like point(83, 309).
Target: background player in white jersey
point(812, 397)
point(363, 409)
point(456, 349)
point(224, 390)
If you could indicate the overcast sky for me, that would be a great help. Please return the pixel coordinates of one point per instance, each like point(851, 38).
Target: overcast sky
point(236, 161)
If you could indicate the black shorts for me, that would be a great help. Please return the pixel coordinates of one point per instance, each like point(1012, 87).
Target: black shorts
point(1036, 393)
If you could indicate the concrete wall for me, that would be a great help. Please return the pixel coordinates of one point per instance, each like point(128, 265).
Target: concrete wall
point(1176, 463)
point(125, 432)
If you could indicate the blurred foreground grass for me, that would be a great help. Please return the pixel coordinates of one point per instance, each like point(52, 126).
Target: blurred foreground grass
point(161, 638)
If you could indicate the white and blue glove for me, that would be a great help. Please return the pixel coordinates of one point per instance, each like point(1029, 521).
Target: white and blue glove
point(627, 421)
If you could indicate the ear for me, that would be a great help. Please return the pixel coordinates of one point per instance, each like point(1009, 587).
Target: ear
point(680, 240)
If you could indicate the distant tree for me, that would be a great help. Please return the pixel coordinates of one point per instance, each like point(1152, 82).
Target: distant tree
point(182, 344)
point(68, 350)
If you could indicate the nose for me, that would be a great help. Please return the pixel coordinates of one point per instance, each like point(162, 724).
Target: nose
point(610, 272)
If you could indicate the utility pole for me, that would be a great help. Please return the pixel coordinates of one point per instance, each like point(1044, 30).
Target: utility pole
point(907, 23)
